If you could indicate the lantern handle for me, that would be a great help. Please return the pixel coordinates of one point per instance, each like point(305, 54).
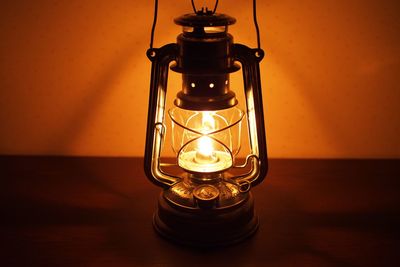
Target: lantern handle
point(201, 11)
point(160, 58)
point(250, 60)
point(256, 24)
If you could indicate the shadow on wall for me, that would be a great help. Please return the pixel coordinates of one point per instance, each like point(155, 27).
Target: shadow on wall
point(66, 137)
point(330, 78)
point(74, 78)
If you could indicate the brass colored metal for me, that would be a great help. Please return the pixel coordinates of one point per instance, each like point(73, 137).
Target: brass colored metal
point(215, 208)
point(205, 215)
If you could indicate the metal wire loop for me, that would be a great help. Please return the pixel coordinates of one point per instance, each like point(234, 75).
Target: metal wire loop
point(256, 24)
point(201, 11)
point(244, 186)
point(153, 27)
point(209, 133)
point(246, 163)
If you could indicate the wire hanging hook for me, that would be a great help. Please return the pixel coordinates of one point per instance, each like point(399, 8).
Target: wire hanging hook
point(154, 24)
point(256, 24)
point(202, 9)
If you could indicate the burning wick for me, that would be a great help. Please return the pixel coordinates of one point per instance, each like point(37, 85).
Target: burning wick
point(205, 153)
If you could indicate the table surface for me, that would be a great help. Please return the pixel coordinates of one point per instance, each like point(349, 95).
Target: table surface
point(88, 211)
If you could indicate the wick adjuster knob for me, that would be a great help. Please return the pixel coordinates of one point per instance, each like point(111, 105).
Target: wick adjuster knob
point(206, 195)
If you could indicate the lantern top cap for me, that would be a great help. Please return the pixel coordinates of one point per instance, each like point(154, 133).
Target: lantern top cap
point(204, 19)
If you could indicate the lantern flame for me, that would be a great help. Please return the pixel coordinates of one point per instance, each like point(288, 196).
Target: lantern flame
point(205, 150)
point(205, 147)
point(207, 122)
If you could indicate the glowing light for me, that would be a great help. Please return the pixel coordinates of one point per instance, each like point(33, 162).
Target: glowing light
point(205, 151)
point(205, 147)
point(207, 122)
point(205, 154)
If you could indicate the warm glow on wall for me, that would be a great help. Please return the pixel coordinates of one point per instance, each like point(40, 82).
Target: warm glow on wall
point(73, 75)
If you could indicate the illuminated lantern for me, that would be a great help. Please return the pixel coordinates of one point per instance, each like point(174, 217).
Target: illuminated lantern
point(207, 204)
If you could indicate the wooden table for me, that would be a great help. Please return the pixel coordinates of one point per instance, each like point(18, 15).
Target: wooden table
point(76, 211)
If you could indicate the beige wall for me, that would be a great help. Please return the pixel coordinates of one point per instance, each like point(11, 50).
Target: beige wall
point(74, 76)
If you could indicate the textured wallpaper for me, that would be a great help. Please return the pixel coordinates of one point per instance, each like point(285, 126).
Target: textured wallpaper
point(74, 78)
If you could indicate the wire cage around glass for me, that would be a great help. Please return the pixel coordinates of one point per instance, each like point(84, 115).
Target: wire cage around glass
point(206, 142)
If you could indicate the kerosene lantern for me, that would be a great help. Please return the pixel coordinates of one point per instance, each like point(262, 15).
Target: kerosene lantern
point(206, 204)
